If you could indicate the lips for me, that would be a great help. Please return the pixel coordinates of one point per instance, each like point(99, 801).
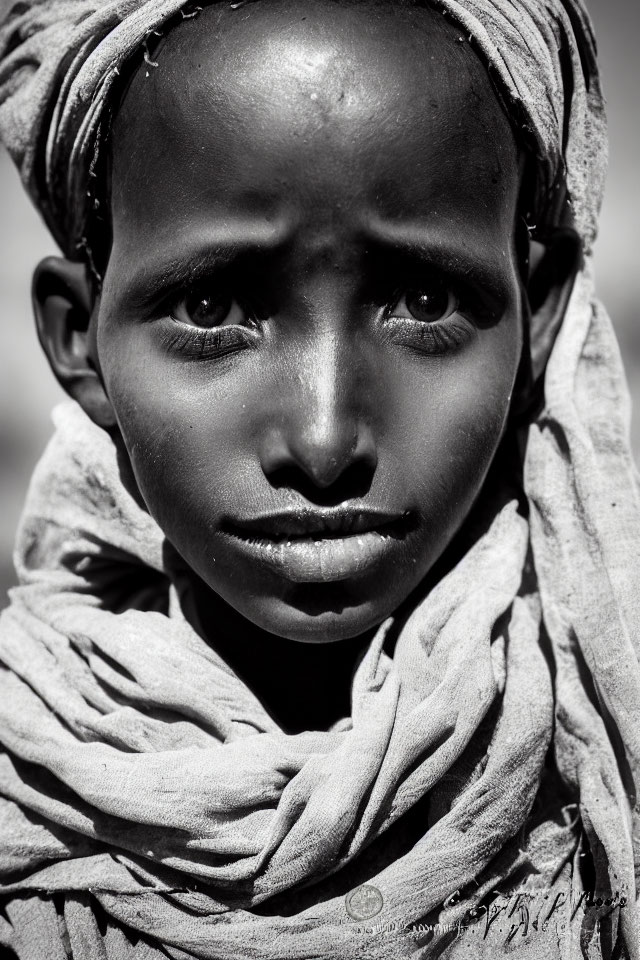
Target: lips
point(320, 546)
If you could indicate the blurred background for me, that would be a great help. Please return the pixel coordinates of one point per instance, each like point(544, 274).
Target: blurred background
point(28, 390)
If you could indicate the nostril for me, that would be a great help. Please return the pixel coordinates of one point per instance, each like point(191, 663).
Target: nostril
point(352, 483)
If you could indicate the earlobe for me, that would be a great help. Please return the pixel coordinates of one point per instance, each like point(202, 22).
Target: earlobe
point(63, 306)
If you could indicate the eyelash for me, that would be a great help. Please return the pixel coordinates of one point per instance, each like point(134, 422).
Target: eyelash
point(437, 337)
point(441, 336)
point(199, 343)
point(433, 337)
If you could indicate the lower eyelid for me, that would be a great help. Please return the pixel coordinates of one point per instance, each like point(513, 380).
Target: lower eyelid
point(201, 342)
point(440, 336)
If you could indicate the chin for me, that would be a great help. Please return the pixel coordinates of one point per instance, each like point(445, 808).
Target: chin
point(313, 616)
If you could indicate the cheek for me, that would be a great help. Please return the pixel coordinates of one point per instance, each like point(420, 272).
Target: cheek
point(453, 414)
point(193, 432)
point(187, 430)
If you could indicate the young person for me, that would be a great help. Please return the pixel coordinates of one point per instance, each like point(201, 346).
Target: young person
point(325, 639)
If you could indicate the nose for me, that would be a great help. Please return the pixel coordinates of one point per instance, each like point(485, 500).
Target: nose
point(320, 442)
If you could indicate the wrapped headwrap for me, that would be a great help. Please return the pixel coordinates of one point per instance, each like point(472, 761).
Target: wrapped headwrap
point(150, 807)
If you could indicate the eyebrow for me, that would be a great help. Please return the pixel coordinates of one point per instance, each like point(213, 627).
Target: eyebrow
point(211, 251)
point(217, 247)
point(475, 263)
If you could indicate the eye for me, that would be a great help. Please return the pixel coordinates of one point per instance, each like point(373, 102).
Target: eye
point(206, 309)
point(426, 304)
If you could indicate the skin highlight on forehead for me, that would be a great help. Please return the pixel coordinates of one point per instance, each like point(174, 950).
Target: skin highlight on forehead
point(321, 77)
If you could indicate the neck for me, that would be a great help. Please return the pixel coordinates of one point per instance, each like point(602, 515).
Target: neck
point(303, 686)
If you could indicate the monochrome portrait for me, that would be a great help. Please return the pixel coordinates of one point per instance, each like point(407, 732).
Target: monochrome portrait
point(320, 567)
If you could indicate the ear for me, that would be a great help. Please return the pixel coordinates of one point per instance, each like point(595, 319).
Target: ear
point(65, 312)
point(552, 269)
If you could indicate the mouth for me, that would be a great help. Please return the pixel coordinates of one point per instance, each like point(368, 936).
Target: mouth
point(321, 546)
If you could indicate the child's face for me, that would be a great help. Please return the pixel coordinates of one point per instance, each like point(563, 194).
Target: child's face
point(310, 323)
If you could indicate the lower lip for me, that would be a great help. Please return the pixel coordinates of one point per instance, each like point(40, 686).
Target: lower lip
point(322, 561)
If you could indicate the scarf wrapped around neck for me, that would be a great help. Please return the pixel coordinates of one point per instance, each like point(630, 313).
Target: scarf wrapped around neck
point(150, 807)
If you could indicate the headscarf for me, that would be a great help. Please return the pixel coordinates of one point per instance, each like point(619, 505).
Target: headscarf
point(150, 805)
point(60, 60)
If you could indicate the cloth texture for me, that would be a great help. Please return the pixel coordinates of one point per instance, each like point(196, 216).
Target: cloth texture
point(149, 805)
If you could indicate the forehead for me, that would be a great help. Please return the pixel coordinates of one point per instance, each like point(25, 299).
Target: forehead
point(382, 107)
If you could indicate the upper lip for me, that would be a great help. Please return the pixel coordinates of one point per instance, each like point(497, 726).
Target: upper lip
point(314, 523)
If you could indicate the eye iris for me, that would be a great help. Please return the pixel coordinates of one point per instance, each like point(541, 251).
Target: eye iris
point(428, 305)
point(205, 311)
